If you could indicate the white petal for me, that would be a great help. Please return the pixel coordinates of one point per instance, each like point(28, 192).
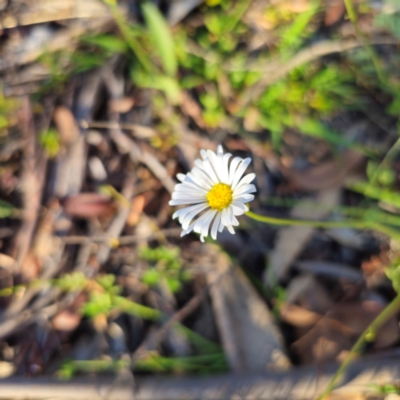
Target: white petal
point(215, 225)
point(181, 202)
point(225, 218)
point(190, 179)
point(240, 171)
point(191, 196)
point(207, 222)
point(210, 172)
point(225, 169)
point(182, 187)
point(203, 154)
point(187, 219)
point(180, 177)
point(240, 205)
point(245, 198)
point(220, 150)
point(246, 179)
point(235, 222)
point(184, 211)
point(232, 217)
point(216, 164)
point(221, 227)
point(203, 222)
point(244, 189)
point(237, 211)
point(232, 168)
point(188, 230)
point(230, 229)
point(200, 176)
point(204, 173)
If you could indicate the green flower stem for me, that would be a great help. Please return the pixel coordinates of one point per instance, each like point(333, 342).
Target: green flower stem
point(356, 224)
point(347, 223)
point(368, 335)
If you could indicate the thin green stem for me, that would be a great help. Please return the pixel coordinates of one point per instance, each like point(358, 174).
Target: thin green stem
point(127, 35)
point(351, 12)
point(356, 224)
point(366, 336)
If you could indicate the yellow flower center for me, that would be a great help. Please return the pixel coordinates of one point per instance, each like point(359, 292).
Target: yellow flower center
point(220, 196)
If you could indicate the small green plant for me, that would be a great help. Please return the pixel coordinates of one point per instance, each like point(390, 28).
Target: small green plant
point(302, 99)
point(165, 266)
point(390, 19)
point(151, 362)
point(7, 108)
point(6, 209)
point(104, 298)
point(50, 140)
point(386, 389)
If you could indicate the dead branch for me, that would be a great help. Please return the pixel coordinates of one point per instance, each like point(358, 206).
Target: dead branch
point(299, 383)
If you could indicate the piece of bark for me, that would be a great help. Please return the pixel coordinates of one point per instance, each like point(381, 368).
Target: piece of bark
point(249, 336)
point(33, 174)
point(298, 384)
point(291, 240)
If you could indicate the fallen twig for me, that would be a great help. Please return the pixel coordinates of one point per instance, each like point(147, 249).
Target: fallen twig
point(277, 69)
point(299, 383)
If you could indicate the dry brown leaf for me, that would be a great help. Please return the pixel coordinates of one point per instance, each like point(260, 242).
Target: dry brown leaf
point(65, 124)
point(306, 291)
point(88, 205)
point(31, 267)
point(6, 262)
point(138, 204)
point(298, 316)
point(66, 320)
point(122, 105)
point(251, 119)
point(337, 331)
point(335, 10)
point(323, 342)
point(358, 316)
point(325, 175)
point(192, 109)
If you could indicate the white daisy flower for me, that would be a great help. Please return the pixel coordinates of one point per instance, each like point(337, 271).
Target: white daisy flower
point(215, 187)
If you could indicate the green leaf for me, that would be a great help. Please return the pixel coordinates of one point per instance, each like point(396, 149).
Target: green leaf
point(151, 277)
point(294, 35)
point(50, 140)
point(111, 43)
point(394, 275)
point(173, 284)
point(3, 122)
point(166, 84)
point(136, 309)
point(161, 36)
point(390, 22)
point(6, 209)
point(374, 192)
point(317, 129)
point(99, 303)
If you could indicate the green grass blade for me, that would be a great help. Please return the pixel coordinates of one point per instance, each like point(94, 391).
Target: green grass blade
point(161, 36)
